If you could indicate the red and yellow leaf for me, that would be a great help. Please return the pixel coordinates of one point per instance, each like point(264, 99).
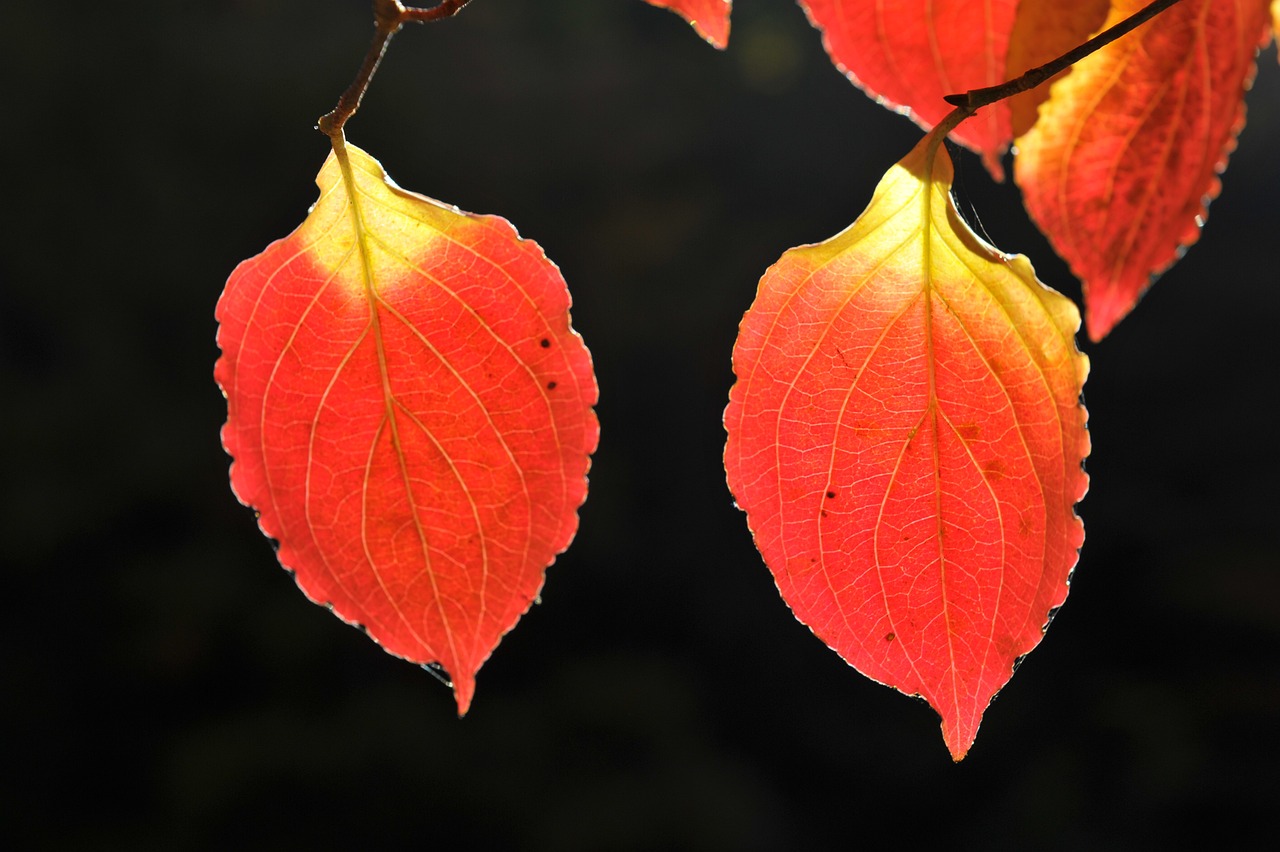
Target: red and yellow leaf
point(1119, 168)
point(409, 411)
point(710, 18)
point(906, 438)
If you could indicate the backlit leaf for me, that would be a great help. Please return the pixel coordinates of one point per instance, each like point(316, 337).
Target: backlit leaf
point(709, 17)
point(1126, 154)
point(906, 438)
point(409, 411)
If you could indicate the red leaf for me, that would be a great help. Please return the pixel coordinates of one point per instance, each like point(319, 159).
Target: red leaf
point(1127, 151)
point(906, 438)
point(410, 413)
point(710, 18)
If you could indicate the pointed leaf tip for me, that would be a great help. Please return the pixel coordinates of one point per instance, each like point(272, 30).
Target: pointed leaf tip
point(709, 18)
point(905, 436)
point(464, 689)
point(409, 411)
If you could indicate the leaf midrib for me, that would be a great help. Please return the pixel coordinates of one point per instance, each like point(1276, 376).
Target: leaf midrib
point(931, 410)
point(389, 405)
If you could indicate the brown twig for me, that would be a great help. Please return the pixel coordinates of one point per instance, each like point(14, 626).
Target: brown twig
point(389, 16)
point(974, 99)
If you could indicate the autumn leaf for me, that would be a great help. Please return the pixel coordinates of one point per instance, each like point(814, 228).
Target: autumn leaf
point(906, 438)
point(710, 18)
point(1126, 154)
point(409, 411)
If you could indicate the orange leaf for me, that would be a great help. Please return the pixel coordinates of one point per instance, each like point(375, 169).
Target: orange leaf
point(409, 411)
point(710, 18)
point(906, 438)
point(1127, 151)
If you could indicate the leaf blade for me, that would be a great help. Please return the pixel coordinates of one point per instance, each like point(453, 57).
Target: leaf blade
point(394, 417)
point(903, 454)
point(709, 18)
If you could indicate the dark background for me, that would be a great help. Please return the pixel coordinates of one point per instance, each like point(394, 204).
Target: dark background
point(165, 682)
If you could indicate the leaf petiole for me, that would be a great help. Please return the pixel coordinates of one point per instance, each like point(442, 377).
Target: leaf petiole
point(389, 16)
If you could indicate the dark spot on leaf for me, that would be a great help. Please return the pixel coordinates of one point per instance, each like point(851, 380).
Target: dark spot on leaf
point(824, 513)
point(994, 470)
point(544, 343)
point(831, 495)
point(968, 431)
point(551, 385)
point(889, 637)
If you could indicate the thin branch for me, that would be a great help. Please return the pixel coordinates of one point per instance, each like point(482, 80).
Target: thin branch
point(975, 99)
point(446, 9)
point(389, 16)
